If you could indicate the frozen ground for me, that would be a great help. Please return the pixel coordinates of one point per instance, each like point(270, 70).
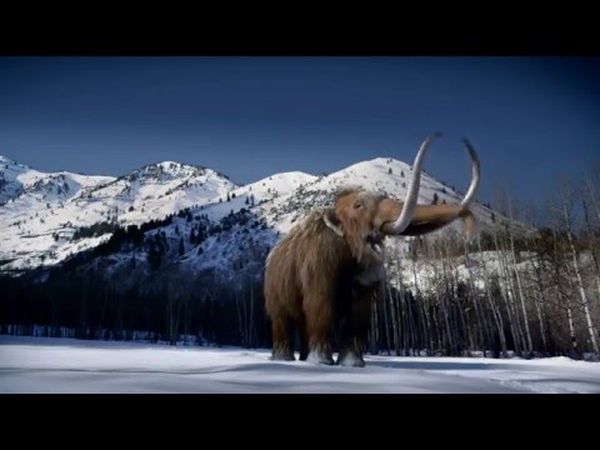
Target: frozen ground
point(49, 365)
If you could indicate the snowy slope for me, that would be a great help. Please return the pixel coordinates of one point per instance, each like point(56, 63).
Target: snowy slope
point(51, 365)
point(23, 185)
point(30, 212)
point(237, 224)
point(158, 190)
point(385, 175)
point(42, 211)
point(265, 191)
point(279, 213)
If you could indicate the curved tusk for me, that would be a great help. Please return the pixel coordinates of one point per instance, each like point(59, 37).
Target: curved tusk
point(475, 174)
point(412, 195)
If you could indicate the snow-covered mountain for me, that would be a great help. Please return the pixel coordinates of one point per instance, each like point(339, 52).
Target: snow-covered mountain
point(41, 213)
point(256, 230)
point(18, 181)
point(216, 225)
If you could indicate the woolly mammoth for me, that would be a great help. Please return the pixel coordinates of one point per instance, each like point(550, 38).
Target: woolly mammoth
point(323, 275)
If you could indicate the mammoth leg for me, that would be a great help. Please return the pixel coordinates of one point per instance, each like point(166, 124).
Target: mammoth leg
point(354, 331)
point(282, 343)
point(304, 350)
point(319, 317)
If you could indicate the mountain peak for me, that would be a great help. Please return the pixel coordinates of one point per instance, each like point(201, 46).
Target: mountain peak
point(5, 161)
point(52, 210)
point(171, 165)
point(381, 163)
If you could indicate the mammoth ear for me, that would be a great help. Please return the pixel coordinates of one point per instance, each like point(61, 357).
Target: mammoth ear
point(332, 221)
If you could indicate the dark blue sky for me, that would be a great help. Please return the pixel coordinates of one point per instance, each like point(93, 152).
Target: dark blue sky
point(530, 118)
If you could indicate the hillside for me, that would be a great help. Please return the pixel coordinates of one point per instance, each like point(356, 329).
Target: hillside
point(212, 223)
point(42, 212)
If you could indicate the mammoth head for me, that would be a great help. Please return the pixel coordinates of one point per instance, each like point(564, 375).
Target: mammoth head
point(365, 218)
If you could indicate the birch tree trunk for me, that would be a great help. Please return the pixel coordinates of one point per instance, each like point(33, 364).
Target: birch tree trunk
point(539, 301)
point(580, 286)
point(479, 324)
point(518, 278)
point(395, 333)
point(444, 304)
point(386, 320)
point(512, 321)
point(594, 246)
point(496, 313)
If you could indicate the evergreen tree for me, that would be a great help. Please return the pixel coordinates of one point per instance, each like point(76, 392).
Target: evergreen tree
point(154, 256)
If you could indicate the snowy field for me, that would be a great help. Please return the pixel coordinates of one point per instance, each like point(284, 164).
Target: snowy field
point(53, 365)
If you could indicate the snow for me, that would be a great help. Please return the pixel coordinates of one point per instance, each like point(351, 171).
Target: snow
point(284, 200)
point(51, 365)
point(39, 220)
point(39, 212)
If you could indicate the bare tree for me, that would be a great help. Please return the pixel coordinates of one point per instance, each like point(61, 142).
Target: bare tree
point(566, 209)
point(519, 285)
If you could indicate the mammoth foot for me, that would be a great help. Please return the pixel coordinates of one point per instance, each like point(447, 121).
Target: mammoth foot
point(320, 357)
point(350, 359)
point(282, 355)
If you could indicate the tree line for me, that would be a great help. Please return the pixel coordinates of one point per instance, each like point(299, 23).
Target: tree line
point(516, 289)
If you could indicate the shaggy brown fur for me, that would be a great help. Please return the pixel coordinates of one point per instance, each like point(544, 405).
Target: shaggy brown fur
point(324, 274)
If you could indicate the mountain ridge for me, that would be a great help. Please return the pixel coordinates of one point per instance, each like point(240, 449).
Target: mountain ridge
point(46, 228)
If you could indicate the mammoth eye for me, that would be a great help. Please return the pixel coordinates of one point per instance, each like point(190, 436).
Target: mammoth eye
point(358, 204)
